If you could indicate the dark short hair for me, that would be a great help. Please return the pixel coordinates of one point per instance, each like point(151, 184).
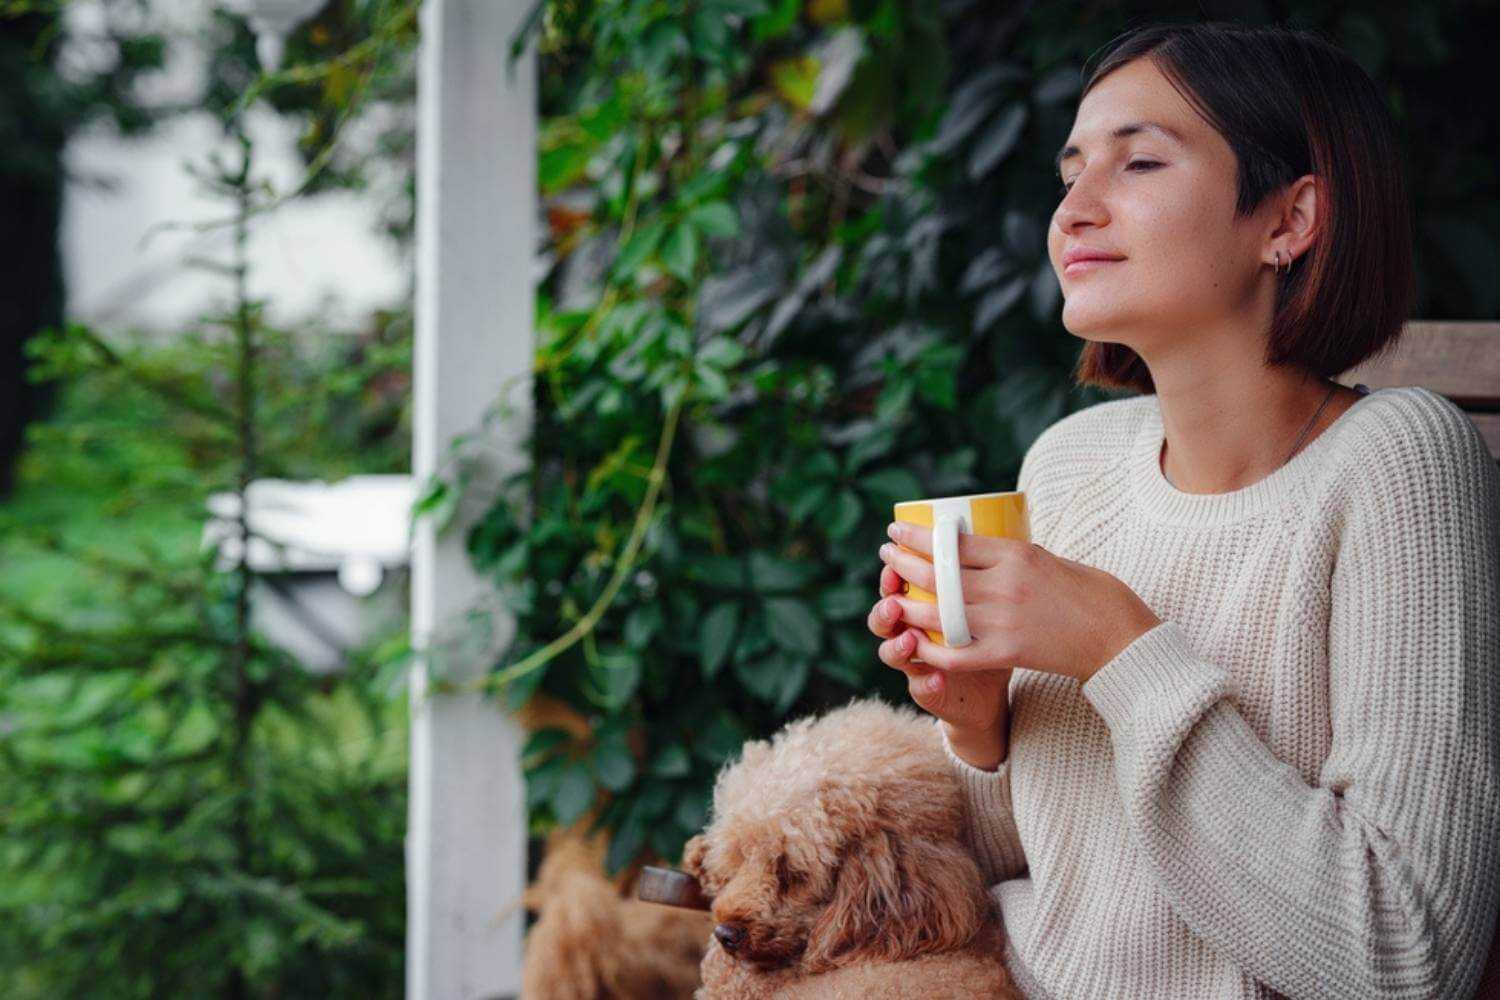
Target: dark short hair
point(1289, 102)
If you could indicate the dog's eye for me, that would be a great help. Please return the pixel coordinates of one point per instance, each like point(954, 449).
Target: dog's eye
point(788, 877)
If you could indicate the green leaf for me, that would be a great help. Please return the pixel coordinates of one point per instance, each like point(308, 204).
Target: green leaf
point(808, 502)
point(984, 270)
point(613, 762)
point(762, 676)
point(844, 515)
point(793, 624)
point(692, 809)
point(642, 625)
point(574, 794)
point(853, 660)
point(438, 499)
point(714, 218)
point(722, 352)
point(615, 679)
point(891, 486)
point(1058, 85)
point(716, 636)
point(1023, 234)
point(769, 574)
point(712, 385)
point(561, 166)
point(665, 839)
point(724, 572)
point(721, 738)
point(625, 844)
point(642, 243)
point(1030, 400)
point(1045, 292)
point(996, 302)
point(796, 79)
point(725, 301)
point(846, 600)
point(895, 401)
point(680, 253)
point(519, 691)
point(672, 762)
point(542, 744)
point(997, 141)
point(710, 30)
point(793, 682)
point(843, 671)
point(655, 799)
point(542, 783)
point(875, 444)
point(967, 107)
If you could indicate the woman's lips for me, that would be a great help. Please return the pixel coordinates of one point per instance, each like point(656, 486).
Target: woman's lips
point(1080, 266)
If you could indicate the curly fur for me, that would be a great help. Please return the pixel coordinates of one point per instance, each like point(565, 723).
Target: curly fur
point(592, 943)
point(592, 939)
point(837, 849)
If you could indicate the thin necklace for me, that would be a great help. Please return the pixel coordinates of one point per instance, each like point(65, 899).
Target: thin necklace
point(1331, 390)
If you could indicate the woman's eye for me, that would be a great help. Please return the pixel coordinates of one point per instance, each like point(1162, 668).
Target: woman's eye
point(1136, 163)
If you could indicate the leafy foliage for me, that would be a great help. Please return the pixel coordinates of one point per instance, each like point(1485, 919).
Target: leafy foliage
point(797, 272)
point(769, 317)
point(185, 810)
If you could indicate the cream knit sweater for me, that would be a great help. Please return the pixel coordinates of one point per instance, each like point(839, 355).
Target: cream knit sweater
point(1291, 786)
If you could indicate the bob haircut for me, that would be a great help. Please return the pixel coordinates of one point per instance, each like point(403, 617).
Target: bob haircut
point(1291, 103)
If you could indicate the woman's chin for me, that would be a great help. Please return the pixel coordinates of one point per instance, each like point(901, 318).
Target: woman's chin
point(1100, 320)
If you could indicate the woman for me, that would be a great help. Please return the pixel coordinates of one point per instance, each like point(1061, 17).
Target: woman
point(1255, 747)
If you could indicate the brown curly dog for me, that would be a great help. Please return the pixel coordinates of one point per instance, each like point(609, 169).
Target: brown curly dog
point(593, 942)
point(837, 867)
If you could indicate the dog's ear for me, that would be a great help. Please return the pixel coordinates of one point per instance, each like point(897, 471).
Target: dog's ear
point(897, 898)
point(692, 855)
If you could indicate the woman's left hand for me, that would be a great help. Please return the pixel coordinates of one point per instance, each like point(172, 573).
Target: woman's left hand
point(1026, 607)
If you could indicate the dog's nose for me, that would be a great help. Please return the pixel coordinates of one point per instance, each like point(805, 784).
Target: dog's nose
point(731, 936)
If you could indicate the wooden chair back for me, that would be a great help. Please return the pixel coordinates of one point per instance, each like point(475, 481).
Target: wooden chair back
point(1460, 360)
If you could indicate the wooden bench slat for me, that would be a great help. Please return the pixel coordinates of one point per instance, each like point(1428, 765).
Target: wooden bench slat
point(1489, 429)
point(1459, 360)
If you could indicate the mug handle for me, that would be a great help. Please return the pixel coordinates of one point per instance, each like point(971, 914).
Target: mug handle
point(950, 590)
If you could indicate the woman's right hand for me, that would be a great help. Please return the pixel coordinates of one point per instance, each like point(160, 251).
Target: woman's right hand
point(971, 703)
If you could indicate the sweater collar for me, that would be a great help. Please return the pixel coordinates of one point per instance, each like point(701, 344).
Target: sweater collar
point(1163, 502)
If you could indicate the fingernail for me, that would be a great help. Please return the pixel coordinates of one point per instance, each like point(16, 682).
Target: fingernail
point(888, 609)
point(907, 641)
point(885, 550)
point(932, 684)
point(894, 530)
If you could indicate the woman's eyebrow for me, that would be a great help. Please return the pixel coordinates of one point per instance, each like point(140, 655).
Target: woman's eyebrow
point(1128, 129)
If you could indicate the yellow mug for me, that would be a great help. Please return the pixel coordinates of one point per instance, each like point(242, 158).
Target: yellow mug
point(999, 515)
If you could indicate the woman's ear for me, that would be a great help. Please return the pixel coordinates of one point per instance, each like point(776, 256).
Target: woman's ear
point(896, 899)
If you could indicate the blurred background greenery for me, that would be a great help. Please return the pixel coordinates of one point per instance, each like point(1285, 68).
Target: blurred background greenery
point(795, 270)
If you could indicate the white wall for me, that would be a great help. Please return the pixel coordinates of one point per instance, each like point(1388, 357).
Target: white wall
point(320, 257)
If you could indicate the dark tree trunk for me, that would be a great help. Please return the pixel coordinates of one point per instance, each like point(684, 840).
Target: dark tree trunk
point(31, 279)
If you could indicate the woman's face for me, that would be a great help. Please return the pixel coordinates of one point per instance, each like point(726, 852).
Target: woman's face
point(1164, 205)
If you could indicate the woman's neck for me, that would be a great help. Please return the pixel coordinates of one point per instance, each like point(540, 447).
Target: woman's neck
point(1221, 436)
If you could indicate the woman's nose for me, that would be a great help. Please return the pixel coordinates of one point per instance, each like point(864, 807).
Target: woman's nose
point(1078, 207)
point(731, 936)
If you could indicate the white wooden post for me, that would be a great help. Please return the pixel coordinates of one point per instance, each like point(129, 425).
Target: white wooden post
point(476, 198)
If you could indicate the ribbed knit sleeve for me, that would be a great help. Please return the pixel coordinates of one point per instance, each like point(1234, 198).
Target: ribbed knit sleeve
point(991, 822)
point(1383, 879)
